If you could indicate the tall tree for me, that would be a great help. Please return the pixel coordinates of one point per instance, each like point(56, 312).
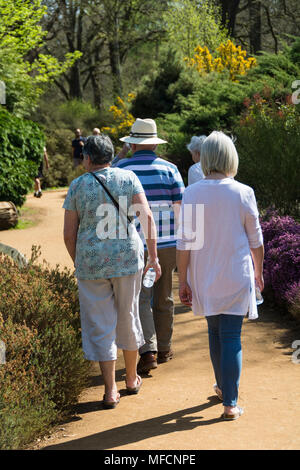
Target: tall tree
point(128, 25)
point(104, 31)
point(230, 9)
point(255, 30)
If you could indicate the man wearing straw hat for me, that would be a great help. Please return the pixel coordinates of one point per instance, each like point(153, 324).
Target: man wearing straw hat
point(164, 187)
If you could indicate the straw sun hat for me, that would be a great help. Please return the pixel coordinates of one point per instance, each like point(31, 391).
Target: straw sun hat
point(143, 131)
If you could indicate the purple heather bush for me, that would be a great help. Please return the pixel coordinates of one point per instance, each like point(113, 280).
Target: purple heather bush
point(282, 260)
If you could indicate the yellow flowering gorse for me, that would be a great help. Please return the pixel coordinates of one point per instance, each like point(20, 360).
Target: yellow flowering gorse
point(229, 57)
point(123, 119)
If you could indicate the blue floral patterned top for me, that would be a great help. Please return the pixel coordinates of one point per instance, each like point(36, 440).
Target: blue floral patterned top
point(107, 246)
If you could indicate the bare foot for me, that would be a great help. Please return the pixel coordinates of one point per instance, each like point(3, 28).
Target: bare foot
point(112, 395)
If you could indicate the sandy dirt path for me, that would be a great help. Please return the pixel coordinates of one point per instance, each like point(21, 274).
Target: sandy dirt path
point(176, 408)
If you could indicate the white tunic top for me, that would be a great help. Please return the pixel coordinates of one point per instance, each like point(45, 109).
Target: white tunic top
point(221, 274)
point(195, 173)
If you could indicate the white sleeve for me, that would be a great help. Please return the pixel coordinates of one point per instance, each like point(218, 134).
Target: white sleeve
point(190, 176)
point(252, 225)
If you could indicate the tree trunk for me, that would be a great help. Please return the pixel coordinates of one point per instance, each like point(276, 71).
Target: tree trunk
point(97, 95)
point(75, 89)
point(115, 65)
point(255, 26)
point(229, 14)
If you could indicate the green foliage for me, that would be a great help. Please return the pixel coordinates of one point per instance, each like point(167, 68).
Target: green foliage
point(59, 121)
point(268, 143)
point(295, 52)
point(190, 23)
point(25, 409)
point(200, 104)
point(21, 36)
point(21, 144)
point(45, 370)
point(153, 96)
point(61, 172)
point(169, 129)
point(58, 173)
point(76, 113)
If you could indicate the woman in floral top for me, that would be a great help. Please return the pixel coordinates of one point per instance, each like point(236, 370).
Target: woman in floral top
point(108, 255)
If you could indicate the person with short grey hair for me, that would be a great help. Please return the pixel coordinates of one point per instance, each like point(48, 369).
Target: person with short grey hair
point(219, 279)
point(195, 172)
point(108, 256)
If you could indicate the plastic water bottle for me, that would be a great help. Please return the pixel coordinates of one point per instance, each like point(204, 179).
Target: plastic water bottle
point(149, 278)
point(259, 297)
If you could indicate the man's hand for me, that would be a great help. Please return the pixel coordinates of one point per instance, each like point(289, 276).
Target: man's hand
point(123, 152)
point(185, 294)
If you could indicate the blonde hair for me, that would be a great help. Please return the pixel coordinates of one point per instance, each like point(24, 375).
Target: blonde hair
point(218, 154)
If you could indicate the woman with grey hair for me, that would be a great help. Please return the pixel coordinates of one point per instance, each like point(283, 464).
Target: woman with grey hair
point(108, 256)
point(216, 277)
point(195, 172)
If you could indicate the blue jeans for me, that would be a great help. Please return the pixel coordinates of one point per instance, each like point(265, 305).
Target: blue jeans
point(224, 333)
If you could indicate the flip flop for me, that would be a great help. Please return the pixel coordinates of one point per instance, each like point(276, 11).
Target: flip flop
point(218, 392)
point(108, 405)
point(135, 390)
point(227, 417)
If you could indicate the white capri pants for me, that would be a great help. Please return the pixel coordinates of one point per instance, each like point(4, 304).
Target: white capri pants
point(109, 312)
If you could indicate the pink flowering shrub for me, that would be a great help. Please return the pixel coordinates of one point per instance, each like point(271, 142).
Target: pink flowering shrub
point(282, 260)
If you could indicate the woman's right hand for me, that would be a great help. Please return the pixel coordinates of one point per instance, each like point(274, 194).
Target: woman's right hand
point(185, 294)
point(153, 263)
point(259, 281)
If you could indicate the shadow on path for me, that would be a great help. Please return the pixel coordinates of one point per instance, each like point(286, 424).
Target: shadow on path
point(140, 430)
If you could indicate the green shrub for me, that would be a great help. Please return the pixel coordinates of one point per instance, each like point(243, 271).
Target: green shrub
point(268, 143)
point(40, 310)
point(59, 142)
point(169, 128)
point(59, 172)
point(25, 407)
point(21, 144)
point(153, 97)
point(61, 119)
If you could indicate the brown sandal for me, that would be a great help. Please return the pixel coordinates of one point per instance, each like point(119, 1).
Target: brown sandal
point(108, 405)
point(135, 390)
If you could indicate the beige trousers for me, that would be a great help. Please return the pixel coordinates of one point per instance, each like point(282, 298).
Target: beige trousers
point(109, 312)
point(156, 306)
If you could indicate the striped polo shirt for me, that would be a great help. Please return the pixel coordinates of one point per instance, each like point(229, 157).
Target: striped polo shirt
point(163, 187)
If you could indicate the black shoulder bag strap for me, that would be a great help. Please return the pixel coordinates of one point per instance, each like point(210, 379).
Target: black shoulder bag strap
point(115, 203)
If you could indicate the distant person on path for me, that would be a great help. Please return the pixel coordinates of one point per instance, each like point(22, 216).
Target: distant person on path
point(96, 131)
point(195, 172)
point(37, 179)
point(77, 146)
point(109, 267)
point(163, 187)
point(217, 279)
